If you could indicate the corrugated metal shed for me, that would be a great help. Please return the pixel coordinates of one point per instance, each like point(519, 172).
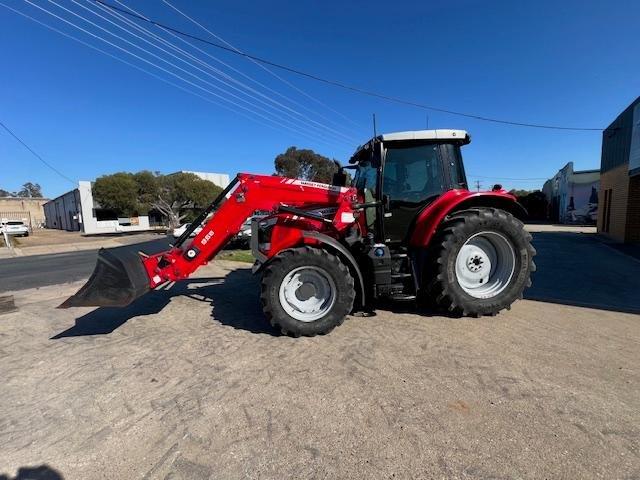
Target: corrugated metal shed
point(616, 140)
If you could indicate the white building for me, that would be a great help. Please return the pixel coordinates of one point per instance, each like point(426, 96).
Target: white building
point(76, 210)
point(573, 195)
point(219, 179)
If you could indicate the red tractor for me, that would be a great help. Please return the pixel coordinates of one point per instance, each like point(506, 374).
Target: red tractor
point(406, 228)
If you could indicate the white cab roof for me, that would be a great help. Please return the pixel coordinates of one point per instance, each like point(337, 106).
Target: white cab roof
point(441, 134)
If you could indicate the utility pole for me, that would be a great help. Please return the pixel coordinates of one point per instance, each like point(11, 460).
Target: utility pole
point(478, 185)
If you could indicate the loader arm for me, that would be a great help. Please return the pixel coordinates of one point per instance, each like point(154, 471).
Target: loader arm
point(121, 276)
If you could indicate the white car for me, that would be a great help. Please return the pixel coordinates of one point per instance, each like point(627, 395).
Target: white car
point(15, 227)
point(181, 229)
point(243, 237)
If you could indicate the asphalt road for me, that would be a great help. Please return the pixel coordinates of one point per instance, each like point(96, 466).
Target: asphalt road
point(20, 273)
point(573, 269)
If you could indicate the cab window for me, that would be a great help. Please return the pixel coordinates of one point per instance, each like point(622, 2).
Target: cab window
point(454, 164)
point(412, 174)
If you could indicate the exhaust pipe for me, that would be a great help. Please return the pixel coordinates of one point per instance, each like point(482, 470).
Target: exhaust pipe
point(118, 278)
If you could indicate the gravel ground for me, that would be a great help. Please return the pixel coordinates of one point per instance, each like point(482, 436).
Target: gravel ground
point(192, 384)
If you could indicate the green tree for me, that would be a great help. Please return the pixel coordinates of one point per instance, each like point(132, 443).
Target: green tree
point(118, 191)
point(175, 195)
point(535, 202)
point(6, 193)
point(305, 164)
point(148, 184)
point(30, 190)
point(521, 193)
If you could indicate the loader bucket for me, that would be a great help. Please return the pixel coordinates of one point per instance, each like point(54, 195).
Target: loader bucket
point(118, 278)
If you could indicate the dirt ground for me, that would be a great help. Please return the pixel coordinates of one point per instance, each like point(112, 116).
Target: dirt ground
point(192, 384)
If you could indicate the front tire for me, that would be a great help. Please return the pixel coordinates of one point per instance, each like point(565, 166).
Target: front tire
point(306, 291)
point(481, 262)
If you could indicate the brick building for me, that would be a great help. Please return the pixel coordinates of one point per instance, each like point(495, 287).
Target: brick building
point(619, 212)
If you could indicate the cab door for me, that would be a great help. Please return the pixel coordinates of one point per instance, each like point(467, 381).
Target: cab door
point(412, 178)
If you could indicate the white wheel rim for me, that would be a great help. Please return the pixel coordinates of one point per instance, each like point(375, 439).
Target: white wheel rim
point(485, 264)
point(307, 293)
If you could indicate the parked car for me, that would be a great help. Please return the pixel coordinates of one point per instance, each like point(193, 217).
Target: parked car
point(180, 230)
point(243, 237)
point(241, 240)
point(15, 227)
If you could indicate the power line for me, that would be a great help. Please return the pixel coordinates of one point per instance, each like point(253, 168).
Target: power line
point(137, 67)
point(35, 154)
point(160, 67)
point(294, 121)
point(230, 67)
point(226, 78)
point(254, 60)
point(292, 128)
point(336, 83)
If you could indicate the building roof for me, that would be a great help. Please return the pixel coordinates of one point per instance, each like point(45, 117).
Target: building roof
point(615, 125)
point(617, 148)
point(22, 199)
point(219, 179)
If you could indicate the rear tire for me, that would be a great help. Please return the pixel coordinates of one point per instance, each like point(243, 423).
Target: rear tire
point(480, 263)
point(306, 291)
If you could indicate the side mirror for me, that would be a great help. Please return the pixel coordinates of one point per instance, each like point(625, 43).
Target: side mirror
point(339, 178)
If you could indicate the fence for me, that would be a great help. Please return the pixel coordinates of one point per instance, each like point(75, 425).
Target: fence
point(27, 217)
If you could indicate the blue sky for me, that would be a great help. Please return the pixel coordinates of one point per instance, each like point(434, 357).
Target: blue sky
point(571, 63)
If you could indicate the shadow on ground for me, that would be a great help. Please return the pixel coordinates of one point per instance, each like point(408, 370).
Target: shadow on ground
point(578, 269)
point(573, 269)
point(42, 472)
point(233, 298)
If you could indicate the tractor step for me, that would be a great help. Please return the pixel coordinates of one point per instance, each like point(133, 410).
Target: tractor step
point(402, 297)
point(401, 275)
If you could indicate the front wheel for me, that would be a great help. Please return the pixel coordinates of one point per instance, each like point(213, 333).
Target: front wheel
point(481, 262)
point(306, 291)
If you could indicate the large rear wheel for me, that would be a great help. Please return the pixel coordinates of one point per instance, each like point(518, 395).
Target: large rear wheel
point(306, 291)
point(481, 262)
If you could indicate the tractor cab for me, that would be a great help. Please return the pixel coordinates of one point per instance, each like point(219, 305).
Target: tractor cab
point(402, 173)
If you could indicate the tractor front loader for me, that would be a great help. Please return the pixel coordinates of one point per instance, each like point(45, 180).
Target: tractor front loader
point(406, 228)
